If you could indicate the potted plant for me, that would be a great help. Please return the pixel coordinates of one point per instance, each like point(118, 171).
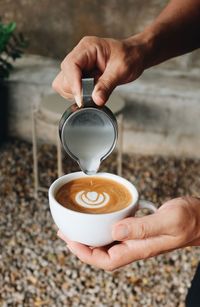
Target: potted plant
point(11, 47)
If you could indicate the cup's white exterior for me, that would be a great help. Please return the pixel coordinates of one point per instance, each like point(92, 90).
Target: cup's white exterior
point(89, 229)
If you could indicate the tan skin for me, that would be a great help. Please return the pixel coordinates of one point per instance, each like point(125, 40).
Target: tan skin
point(113, 62)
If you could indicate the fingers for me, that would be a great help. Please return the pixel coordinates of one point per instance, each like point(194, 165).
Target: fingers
point(124, 253)
point(119, 255)
point(140, 228)
point(81, 58)
point(94, 56)
point(105, 85)
point(61, 86)
point(175, 218)
point(94, 256)
point(72, 75)
point(68, 83)
point(173, 226)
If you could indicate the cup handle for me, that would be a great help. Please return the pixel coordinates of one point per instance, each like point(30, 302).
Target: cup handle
point(145, 204)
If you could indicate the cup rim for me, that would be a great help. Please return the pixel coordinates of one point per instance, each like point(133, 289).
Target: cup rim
point(77, 175)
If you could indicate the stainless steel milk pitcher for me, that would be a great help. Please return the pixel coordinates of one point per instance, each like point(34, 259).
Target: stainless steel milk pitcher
point(88, 134)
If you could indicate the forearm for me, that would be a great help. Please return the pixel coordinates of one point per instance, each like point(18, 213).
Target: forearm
point(174, 32)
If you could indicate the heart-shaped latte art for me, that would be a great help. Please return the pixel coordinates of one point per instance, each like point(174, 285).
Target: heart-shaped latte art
point(92, 199)
point(92, 196)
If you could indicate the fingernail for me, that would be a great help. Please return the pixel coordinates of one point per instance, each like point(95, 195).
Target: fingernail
point(121, 232)
point(78, 100)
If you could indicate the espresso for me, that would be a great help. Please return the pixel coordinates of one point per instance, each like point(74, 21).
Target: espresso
point(94, 195)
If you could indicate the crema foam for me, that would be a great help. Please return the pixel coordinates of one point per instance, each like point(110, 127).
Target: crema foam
point(94, 195)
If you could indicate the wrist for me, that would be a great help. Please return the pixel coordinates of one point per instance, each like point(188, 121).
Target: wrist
point(145, 43)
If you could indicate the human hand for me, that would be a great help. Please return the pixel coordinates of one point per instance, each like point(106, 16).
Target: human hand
point(111, 62)
point(175, 224)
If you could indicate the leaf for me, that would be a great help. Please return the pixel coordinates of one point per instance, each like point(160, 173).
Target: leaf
point(10, 27)
point(11, 47)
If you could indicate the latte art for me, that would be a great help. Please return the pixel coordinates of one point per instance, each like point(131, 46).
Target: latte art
point(94, 195)
point(92, 199)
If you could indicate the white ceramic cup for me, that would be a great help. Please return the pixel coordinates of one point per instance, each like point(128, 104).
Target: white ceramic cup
point(92, 229)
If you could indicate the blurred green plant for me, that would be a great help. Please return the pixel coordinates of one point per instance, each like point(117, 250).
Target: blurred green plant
point(12, 46)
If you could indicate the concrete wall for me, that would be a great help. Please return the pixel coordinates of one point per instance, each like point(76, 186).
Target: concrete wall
point(162, 107)
point(161, 115)
point(54, 27)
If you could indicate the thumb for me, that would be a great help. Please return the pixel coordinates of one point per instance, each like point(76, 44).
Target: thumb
point(139, 228)
point(105, 85)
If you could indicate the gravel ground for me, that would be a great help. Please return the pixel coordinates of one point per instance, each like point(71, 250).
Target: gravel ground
point(36, 269)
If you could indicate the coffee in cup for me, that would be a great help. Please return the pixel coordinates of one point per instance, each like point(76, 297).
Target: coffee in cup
point(94, 195)
point(86, 227)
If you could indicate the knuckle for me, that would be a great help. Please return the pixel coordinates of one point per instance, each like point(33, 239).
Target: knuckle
point(65, 62)
point(62, 65)
point(142, 231)
point(88, 39)
point(85, 38)
point(88, 42)
point(55, 85)
point(105, 84)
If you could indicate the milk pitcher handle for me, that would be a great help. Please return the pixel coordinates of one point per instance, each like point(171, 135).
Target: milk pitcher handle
point(87, 89)
point(145, 204)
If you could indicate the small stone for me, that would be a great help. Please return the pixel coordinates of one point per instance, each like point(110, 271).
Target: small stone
point(32, 279)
